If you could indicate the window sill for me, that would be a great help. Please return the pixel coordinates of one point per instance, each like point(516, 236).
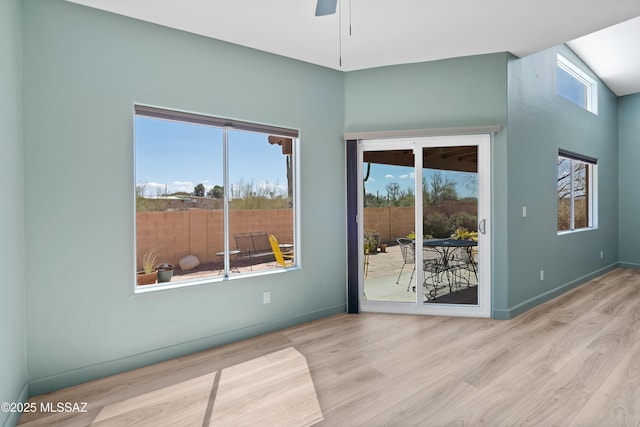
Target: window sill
point(143, 289)
point(579, 230)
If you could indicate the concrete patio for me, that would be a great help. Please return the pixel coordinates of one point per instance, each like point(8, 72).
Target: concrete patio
point(383, 281)
point(380, 282)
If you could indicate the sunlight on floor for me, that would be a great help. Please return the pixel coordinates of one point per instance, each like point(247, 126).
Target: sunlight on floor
point(275, 389)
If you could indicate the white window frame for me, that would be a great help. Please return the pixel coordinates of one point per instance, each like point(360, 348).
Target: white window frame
point(591, 86)
point(592, 195)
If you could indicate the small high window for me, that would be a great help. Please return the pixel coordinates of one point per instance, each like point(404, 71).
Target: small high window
point(576, 192)
point(576, 86)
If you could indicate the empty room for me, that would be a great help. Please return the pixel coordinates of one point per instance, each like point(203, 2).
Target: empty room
point(212, 213)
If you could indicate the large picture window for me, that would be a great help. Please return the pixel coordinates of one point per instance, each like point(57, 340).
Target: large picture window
point(214, 197)
point(576, 192)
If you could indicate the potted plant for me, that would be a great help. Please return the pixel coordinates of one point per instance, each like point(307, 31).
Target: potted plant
point(148, 275)
point(165, 272)
point(464, 234)
point(371, 241)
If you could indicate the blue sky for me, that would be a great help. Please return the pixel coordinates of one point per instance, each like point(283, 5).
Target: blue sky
point(177, 156)
point(174, 156)
point(382, 175)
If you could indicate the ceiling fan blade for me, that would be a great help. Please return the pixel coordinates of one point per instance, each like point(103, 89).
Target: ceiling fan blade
point(326, 7)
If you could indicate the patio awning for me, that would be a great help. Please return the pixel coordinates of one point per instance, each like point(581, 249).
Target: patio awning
point(462, 159)
point(285, 143)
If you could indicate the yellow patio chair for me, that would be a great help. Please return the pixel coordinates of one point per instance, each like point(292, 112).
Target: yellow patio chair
point(284, 259)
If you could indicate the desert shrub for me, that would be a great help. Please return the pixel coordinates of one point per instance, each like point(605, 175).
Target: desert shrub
point(464, 220)
point(438, 225)
point(581, 214)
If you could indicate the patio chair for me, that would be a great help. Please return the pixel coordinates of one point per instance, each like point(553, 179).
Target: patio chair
point(284, 259)
point(407, 247)
point(466, 265)
point(244, 244)
point(451, 270)
point(433, 268)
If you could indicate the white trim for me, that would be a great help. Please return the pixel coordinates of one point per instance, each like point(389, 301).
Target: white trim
point(592, 197)
point(421, 133)
point(483, 142)
point(593, 205)
point(589, 83)
point(225, 199)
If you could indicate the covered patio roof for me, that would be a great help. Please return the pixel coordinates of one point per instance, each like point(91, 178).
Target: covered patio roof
point(462, 159)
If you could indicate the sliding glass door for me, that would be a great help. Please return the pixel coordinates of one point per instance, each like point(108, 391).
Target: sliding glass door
point(424, 225)
point(388, 211)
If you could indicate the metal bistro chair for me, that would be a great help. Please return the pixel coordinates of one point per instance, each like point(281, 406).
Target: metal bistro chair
point(407, 247)
point(466, 266)
point(436, 268)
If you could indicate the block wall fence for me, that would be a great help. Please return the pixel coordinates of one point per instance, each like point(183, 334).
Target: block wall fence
point(393, 222)
point(199, 232)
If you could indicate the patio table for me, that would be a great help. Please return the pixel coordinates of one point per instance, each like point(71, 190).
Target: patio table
point(286, 247)
point(444, 264)
point(233, 254)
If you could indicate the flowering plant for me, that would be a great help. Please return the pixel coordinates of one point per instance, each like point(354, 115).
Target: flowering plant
point(464, 234)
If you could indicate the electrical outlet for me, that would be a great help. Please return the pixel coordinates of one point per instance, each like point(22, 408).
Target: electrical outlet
point(541, 274)
point(266, 298)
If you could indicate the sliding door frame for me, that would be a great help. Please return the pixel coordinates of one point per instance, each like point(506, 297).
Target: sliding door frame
point(356, 251)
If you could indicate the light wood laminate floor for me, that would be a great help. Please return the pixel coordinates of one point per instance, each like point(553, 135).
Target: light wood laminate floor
point(574, 361)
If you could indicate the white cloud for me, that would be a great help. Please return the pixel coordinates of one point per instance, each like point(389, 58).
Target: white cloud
point(155, 189)
point(389, 176)
point(269, 187)
point(181, 183)
point(262, 188)
point(185, 186)
point(151, 189)
point(152, 186)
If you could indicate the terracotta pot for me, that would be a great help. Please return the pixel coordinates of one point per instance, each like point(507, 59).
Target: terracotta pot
point(147, 278)
point(383, 247)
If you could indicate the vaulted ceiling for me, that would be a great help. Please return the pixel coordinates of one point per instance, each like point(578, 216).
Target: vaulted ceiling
point(373, 33)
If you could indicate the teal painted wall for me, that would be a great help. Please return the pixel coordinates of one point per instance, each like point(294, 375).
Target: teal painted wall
point(454, 92)
point(84, 69)
point(467, 91)
point(540, 122)
point(13, 364)
point(629, 142)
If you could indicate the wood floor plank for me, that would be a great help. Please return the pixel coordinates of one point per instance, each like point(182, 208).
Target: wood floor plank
point(491, 361)
point(560, 349)
point(574, 360)
point(413, 406)
point(558, 402)
point(617, 401)
point(492, 404)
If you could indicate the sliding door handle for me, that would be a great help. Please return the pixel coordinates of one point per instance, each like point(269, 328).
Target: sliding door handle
point(482, 226)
